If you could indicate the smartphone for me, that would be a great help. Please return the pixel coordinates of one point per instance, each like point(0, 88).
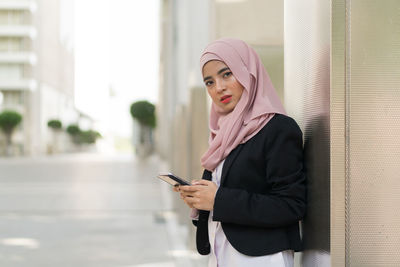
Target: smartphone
point(172, 179)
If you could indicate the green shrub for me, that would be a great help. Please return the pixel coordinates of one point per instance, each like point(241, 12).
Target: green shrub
point(82, 137)
point(54, 124)
point(89, 136)
point(73, 129)
point(9, 119)
point(144, 112)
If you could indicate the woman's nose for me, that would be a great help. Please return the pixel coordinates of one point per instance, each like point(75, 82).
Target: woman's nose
point(220, 86)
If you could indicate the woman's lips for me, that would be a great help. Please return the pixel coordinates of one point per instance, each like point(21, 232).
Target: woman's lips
point(226, 99)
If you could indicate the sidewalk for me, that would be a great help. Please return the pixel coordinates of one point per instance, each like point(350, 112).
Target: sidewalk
point(89, 210)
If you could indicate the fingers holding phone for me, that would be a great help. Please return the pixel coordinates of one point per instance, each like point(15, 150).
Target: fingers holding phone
point(175, 188)
point(200, 195)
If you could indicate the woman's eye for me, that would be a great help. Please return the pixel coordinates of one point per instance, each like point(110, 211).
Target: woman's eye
point(227, 74)
point(208, 83)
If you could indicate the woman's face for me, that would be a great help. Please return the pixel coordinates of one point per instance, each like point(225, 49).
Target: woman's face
point(223, 88)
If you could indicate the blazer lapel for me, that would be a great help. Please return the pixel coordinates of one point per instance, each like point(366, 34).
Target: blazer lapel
point(229, 161)
point(202, 242)
point(207, 175)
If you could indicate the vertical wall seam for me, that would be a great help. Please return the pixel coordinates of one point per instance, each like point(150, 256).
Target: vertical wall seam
point(347, 74)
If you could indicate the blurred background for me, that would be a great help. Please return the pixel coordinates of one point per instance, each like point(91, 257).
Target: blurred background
point(98, 96)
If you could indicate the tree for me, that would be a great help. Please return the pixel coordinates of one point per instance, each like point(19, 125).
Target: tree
point(56, 127)
point(144, 113)
point(9, 120)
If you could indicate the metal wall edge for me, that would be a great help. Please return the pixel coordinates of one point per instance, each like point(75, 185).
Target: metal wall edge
point(338, 133)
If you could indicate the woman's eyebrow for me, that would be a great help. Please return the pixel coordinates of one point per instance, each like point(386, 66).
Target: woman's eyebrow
point(219, 72)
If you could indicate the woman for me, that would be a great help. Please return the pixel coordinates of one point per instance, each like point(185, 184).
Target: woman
point(251, 197)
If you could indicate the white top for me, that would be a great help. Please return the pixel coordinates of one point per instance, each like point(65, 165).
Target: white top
point(224, 255)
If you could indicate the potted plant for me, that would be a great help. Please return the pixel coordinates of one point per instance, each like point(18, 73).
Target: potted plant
point(143, 112)
point(56, 127)
point(55, 124)
point(73, 130)
point(89, 136)
point(80, 137)
point(9, 120)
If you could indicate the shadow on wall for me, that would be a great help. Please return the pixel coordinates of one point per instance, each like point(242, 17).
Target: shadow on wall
point(317, 158)
point(316, 224)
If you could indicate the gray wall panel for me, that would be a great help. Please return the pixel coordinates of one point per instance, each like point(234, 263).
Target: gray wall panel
point(373, 221)
point(352, 148)
point(365, 129)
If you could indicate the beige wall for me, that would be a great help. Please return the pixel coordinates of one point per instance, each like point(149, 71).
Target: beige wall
point(366, 64)
point(259, 23)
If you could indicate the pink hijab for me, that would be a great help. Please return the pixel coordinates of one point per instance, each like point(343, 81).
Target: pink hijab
point(258, 104)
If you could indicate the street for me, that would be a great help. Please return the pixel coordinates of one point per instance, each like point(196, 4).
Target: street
point(89, 210)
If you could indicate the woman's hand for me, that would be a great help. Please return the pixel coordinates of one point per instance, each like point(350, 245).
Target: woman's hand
point(200, 195)
point(175, 188)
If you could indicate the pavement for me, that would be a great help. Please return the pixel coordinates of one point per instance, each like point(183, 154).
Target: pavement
point(88, 210)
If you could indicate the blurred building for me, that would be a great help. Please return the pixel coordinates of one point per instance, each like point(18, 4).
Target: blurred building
point(37, 69)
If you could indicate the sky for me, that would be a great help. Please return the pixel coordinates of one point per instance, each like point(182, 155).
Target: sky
point(116, 59)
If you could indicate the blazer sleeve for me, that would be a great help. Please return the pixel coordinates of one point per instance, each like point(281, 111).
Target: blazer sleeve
point(285, 202)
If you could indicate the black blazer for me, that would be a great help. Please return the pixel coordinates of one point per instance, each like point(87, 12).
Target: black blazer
point(262, 195)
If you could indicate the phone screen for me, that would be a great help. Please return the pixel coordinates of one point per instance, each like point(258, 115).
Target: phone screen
point(173, 179)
